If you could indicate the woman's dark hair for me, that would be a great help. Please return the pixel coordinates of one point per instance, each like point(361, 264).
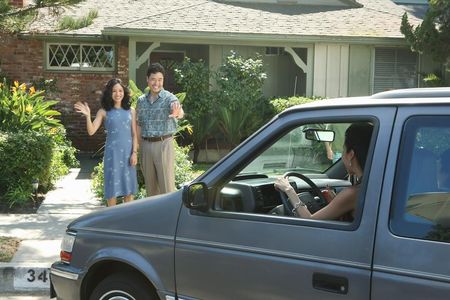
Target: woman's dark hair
point(155, 68)
point(107, 101)
point(357, 138)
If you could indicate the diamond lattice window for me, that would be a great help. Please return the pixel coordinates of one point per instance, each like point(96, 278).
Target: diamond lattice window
point(80, 57)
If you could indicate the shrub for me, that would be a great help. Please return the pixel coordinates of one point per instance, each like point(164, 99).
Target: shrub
point(24, 157)
point(242, 106)
point(280, 104)
point(33, 144)
point(193, 78)
point(183, 174)
point(4, 6)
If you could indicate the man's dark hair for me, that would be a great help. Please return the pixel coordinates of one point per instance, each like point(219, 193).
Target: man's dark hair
point(155, 68)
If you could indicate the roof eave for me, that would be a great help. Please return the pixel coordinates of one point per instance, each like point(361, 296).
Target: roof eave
point(169, 36)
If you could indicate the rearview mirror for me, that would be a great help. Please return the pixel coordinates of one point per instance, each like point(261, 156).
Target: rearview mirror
point(320, 135)
point(195, 196)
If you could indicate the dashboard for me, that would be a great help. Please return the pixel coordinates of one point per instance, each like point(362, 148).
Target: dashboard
point(258, 194)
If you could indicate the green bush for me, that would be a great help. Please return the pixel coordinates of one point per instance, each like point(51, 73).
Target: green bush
point(33, 144)
point(4, 6)
point(24, 157)
point(183, 174)
point(199, 105)
point(280, 104)
point(242, 107)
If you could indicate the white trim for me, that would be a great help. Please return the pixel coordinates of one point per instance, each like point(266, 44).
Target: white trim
point(146, 55)
point(299, 62)
point(80, 58)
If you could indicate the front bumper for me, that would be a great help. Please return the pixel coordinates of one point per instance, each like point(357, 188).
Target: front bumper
point(65, 282)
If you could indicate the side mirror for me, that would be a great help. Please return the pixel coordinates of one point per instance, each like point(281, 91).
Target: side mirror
point(319, 135)
point(195, 196)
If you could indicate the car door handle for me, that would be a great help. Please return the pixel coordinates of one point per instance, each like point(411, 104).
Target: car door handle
point(330, 283)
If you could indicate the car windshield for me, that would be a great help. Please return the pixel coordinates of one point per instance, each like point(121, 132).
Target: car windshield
point(303, 149)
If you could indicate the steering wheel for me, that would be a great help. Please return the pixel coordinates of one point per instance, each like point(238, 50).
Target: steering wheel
point(315, 190)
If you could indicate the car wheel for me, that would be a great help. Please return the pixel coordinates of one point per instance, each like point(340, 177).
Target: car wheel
point(123, 286)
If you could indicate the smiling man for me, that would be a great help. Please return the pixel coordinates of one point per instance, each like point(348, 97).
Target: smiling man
point(157, 115)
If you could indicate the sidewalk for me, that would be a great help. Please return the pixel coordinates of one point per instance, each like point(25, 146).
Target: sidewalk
point(41, 233)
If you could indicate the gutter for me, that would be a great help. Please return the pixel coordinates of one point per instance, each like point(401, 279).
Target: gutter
point(188, 37)
point(221, 38)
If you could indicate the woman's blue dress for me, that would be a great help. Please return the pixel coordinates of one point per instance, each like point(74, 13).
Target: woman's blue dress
point(120, 176)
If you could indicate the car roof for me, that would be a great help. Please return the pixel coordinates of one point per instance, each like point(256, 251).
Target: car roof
point(404, 97)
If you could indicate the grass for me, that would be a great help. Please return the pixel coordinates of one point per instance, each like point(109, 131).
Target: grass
point(8, 247)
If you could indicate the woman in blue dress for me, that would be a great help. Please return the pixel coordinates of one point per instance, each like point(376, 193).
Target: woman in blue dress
point(120, 157)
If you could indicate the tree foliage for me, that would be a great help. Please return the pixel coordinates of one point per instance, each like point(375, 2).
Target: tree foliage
point(432, 36)
point(13, 19)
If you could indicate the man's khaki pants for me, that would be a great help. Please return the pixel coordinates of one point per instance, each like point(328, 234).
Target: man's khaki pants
point(157, 165)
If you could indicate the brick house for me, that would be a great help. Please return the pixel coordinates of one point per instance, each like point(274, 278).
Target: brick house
point(327, 48)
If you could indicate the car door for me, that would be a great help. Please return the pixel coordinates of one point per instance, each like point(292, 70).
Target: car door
point(412, 249)
point(227, 255)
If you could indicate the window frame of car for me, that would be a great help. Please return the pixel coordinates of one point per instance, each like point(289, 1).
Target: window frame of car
point(400, 193)
point(278, 127)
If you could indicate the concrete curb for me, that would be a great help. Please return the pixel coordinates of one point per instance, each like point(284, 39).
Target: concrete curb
point(41, 233)
point(24, 277)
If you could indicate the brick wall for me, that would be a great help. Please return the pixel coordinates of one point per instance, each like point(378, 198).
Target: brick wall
point(23, 60)
point(19, 3)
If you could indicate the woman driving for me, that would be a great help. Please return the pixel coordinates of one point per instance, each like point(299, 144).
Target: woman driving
point(356, 146)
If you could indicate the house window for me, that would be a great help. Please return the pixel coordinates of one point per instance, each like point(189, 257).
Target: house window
point(395, 68)
point(82, 57)
point(274, 51)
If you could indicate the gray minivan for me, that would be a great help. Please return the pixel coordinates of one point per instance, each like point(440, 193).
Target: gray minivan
point(227, 234)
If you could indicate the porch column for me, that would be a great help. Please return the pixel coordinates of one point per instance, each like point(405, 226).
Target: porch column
point(135, 62)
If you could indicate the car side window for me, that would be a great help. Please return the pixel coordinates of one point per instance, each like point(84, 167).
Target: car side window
point(421, 198)
point(313, 151)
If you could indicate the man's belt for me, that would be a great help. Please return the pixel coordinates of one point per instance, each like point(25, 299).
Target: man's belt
point(156, 138)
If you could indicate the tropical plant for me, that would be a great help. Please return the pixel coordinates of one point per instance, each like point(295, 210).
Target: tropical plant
point(23, 108)
point(433, 80)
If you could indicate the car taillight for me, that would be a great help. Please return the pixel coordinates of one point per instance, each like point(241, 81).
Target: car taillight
point(67, 246)
point(65, 256)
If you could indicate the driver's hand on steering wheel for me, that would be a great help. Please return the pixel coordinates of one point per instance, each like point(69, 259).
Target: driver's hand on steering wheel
point(282, 184)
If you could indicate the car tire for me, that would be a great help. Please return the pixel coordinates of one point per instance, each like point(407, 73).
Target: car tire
point(123, 286)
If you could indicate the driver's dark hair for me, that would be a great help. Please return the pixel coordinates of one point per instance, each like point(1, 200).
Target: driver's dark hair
point(357, 138)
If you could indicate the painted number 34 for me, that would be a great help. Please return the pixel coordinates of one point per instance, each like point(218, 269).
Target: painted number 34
point(33, 276)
